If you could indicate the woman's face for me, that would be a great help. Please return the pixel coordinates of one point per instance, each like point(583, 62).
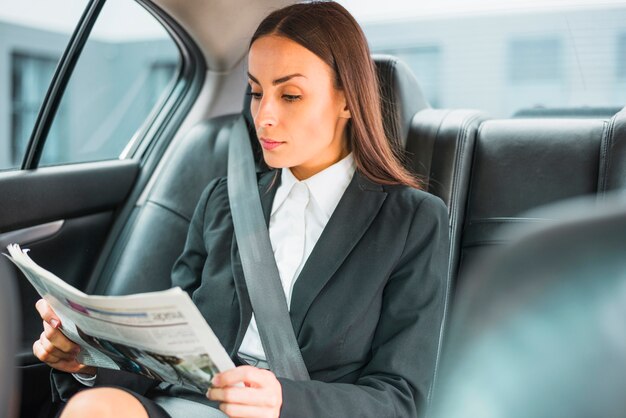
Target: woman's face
point(300, 117)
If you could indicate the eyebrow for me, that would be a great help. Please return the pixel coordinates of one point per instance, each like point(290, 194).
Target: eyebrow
point(278, 80)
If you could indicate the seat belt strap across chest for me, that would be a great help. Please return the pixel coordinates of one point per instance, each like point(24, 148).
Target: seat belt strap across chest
point(257, 259)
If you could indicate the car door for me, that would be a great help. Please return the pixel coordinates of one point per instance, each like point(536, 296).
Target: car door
point(91, 112)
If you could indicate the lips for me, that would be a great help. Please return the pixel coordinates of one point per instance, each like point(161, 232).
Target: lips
point(270, 144)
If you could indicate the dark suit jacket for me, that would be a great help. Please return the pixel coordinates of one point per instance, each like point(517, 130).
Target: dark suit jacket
point(366, 308)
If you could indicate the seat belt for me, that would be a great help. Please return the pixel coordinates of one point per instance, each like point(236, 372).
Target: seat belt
point(257, 259)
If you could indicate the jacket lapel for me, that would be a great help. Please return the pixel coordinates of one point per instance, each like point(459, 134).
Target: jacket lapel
point(355, 212)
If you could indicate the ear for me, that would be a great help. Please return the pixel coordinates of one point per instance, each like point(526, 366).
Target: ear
point(345, 112)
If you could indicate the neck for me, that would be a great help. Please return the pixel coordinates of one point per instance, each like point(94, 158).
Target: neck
point(303, 172)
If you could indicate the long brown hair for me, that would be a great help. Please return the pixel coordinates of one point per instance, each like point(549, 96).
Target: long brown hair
point(329, 31)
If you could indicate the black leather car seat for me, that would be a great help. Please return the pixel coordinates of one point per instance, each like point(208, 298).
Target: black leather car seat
point(539, 331)
point(440, 148)
point(520, 164)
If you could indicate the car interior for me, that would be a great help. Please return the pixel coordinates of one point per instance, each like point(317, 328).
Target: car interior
point(116, 227)
point(542, 318)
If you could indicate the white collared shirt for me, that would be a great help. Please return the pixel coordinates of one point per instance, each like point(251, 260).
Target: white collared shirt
point(288, 222)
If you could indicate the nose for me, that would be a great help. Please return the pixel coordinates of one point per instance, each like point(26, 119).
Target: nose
point(266, 113)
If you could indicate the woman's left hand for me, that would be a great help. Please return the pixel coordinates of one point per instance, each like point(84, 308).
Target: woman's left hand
point(261, 395)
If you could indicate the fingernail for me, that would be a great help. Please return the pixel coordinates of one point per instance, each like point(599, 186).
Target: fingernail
point(216, 379)
point(54, 323)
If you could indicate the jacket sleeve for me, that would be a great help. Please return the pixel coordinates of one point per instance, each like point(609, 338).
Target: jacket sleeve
point(64, 385)
point(187, 270)
point(397, 379)
point(185, 273)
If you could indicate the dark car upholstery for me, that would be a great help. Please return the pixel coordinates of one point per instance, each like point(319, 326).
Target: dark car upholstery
point(520, 164)
point(440, 147)
point(541, 318)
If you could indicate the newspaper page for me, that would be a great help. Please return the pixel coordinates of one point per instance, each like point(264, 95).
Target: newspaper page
point(161, 335)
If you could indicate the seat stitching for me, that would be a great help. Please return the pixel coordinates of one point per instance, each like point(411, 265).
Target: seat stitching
point(605, 155)
point(173, 211)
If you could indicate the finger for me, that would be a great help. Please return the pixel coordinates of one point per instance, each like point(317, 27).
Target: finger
point(59, 340)
point(51, 349)
point(245, 396)
point(47, 314)
point(43, 355)
point(70, 366)
point(248, 374)
point(234, 410)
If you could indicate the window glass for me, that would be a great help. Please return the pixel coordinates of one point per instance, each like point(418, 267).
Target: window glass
point(505, 56)
point(125, 68)
point(535, 60)
point(620, 68)
point(621, 57)
point(33, 35)
point(536, 75)
point(30, 77)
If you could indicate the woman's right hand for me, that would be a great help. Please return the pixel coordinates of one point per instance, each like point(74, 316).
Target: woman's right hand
point(54, 348)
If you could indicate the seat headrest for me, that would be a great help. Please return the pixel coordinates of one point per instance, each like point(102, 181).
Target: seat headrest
point(401, 96)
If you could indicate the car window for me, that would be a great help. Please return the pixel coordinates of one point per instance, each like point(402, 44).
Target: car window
point(32, 40)
point(126, 67)
point(505, 57)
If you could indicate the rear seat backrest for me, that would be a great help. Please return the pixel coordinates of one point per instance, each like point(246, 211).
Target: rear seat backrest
point(439, 148)
point(520, 164)
point(490, 171)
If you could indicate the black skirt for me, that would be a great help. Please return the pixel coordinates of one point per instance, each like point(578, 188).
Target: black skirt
point(153, 409)
point(187, 407)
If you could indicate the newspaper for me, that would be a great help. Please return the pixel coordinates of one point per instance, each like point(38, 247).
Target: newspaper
point(161, 335)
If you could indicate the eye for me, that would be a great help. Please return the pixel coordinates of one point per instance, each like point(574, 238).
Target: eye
point(291, 97)
point(255, 95)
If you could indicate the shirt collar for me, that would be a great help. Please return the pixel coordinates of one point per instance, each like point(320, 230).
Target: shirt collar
point(326, 187)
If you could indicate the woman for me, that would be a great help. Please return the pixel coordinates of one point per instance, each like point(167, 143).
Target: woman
point(361, 251)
